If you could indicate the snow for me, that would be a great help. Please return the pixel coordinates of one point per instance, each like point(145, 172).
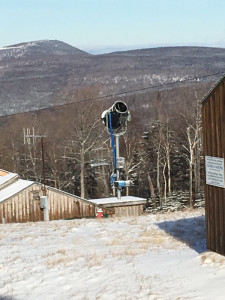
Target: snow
point(160, 256)
point(23, 46)
point(7, 177)
point(11, 47)
point(115, 200)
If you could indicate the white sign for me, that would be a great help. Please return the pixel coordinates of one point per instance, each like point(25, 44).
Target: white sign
point(214, 171)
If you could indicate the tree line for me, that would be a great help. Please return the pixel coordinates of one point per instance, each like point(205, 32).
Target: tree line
point(163, 152)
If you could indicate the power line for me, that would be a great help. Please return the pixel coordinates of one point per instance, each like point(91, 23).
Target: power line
point(120, 94)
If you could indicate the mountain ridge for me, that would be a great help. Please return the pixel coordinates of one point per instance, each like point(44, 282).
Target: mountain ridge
point(53, 46)
point(40, 74)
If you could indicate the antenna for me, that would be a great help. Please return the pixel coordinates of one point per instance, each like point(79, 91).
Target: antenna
point(28, 138)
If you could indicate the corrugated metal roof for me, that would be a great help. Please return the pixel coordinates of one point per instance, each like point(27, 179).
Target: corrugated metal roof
point(5, 178)
point(14, 188)
point(114, 200)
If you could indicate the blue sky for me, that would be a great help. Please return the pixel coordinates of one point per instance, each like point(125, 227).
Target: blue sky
point(106, 25)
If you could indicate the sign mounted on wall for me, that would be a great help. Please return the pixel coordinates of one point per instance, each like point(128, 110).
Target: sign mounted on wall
point(214, 167)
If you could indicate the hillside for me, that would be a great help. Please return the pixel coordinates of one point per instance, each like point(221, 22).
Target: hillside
point(44, 73)
point(160, 256)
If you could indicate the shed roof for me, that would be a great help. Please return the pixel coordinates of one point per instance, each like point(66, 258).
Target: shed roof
point(209, 93)
point(66, 193)
point(14, 188)
point(6, 176)
point(113, 201)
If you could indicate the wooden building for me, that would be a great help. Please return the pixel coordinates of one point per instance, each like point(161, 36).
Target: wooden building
point(127, 206)
point(20, 202)
point(213, 116)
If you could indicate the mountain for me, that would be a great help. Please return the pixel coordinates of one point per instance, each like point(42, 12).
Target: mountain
point(39, 48)
point(45, 73)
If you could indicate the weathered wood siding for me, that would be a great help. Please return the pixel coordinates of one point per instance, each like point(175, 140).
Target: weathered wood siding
point(22, 207)
point(25, 206)
point(129, 210)
point(213, 115)
point(66, 206)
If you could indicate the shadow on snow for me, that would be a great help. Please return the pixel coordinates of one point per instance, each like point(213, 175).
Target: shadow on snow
point(191, 231)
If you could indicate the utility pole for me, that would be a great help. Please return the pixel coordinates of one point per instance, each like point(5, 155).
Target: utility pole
point(30, 138)
point(43, 164)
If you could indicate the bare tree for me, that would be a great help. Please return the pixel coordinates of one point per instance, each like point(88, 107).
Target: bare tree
point(193, 138)
point(131, 144)
point(83, 122)
point(167, 145)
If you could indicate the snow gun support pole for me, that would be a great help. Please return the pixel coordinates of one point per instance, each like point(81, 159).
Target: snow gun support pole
point(115, 119)
point(115, 154)
point(117, 169)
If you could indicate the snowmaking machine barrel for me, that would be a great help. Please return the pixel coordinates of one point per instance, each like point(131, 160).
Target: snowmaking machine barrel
point(119, 113)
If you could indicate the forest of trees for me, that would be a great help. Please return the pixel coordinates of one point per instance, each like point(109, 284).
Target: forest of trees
point(163, 151)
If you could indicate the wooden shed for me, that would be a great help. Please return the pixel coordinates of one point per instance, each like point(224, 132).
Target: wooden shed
point(213, 117)
point(125, 207)
point(20, 202)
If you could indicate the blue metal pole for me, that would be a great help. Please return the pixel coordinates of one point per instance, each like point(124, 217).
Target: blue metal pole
point(112, 140)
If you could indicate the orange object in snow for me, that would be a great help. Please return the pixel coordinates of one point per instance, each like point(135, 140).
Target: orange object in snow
point(99, 213)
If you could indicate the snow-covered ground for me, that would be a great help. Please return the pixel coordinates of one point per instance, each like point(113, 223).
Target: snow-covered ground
point(161, 256)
